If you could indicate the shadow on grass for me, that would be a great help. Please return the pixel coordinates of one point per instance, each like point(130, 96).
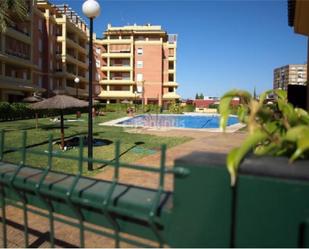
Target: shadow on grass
point(43, 143)
point(122, 154)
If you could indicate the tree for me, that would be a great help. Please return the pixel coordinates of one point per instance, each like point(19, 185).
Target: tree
point(10, 11)
point(196, 96)
point(201, 96)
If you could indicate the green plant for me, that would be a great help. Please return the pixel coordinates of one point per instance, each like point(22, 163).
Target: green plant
point(189, 108)
point(277, 130)
point(175, 108)
point(213, 106)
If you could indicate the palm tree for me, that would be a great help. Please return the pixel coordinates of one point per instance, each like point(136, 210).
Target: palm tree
point(10, 11)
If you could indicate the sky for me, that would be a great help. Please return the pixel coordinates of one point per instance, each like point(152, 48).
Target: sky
point(222, 44)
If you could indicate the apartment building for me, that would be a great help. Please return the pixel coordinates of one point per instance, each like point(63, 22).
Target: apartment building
point(17, 62)
point(44, 53)
point(295, 74)
point(138, 64)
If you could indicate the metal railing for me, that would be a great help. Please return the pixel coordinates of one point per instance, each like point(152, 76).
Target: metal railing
point(129, 216)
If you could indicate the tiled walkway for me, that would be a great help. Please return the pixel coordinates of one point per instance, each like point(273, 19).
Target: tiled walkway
point(202, 141)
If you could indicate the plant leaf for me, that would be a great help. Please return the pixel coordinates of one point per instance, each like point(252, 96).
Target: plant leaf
point(302, 146)
point(225, 102)
point(236, 155)
point(295, 133)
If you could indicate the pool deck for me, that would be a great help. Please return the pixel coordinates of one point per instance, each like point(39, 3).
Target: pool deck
point(201, 141)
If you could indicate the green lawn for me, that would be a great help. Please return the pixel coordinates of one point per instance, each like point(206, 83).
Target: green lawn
point(133, 146)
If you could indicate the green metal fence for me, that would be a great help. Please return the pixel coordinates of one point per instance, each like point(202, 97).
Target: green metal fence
point(137, 211)
point(267, 208)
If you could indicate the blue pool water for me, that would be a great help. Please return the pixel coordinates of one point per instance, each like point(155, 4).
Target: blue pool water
point(179, 121)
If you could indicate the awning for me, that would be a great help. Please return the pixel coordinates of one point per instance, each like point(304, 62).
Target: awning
point(118, 48)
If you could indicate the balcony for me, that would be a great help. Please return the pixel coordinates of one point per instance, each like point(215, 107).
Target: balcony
point(74, 44)
point(170, 84)
point(117, 81)
point(118, 41)
point(115, 94)
point(117, 55)
point(17, 54)
point(19, 34)
point(15, 79)
point(117, 68)
point(19, 84)
point(171, 96)
point(73, 59)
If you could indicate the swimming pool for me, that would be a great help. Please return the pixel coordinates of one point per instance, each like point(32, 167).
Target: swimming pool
point(177, 121)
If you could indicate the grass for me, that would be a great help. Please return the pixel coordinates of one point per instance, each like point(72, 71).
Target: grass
point(133, 146)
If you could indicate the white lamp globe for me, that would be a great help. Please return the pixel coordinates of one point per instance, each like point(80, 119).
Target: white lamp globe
point(91, 8)
point(76, 80)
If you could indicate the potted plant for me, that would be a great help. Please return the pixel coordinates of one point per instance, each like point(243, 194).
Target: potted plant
point(276, 129)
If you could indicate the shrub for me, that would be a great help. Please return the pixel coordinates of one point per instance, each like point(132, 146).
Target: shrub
point(175, 108)
point(189, 108)
point(17, 111)
point(277, 130)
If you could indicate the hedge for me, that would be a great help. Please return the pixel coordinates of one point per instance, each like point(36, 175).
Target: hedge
point(18, 111)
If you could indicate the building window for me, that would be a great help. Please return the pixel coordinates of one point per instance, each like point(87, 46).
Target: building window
point(139, 77)
point(139, 64)
point(171, 77)
point(171, 52)
point(171, 89)
point(140, 38)
point(98, 50)
point(171, 65)
point(140, 51)
point(97, 76)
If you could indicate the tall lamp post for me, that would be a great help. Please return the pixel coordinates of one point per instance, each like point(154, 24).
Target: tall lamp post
point(76, 81)
point(91, 9)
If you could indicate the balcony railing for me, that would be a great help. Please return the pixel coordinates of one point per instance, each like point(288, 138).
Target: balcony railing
point(18, 29)
point(120, 78)
point(119, 65)
point(17, 54)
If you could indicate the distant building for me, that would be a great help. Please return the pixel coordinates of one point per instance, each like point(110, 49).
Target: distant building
point(137, 63)
point(203, 105)
point(294, 74)
point(298, 14)
point(48, 50)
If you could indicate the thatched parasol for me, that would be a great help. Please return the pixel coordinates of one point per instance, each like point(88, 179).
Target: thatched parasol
point(60, 102)
point(34, 99)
